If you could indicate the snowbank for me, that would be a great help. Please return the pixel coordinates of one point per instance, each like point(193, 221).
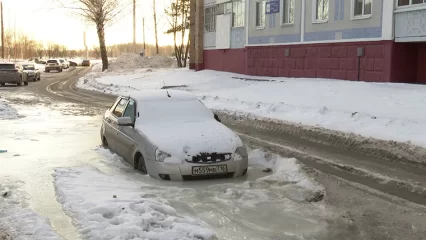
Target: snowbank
point(386, 111)
point(19, 222)
point(7, 112)
point(131, 61)
point(114, 207)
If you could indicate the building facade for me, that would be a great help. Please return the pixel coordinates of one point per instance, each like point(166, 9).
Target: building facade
point(365, 40)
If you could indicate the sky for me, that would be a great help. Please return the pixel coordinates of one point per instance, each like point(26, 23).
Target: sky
point(47, 21)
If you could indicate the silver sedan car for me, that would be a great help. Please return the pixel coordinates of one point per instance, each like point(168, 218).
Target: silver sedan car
point(171, 135)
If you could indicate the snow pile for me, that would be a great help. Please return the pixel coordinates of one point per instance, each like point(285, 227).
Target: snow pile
point(385, 111)
point(7, 112)
point(17, 220)
point(107, 207)
point(130, 61)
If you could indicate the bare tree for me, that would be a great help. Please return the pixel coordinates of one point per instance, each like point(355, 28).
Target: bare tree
point(49, 49)
point(99, 12)
point(155, 27)
point(178, 17)
point(63, 51)
point(40, 50)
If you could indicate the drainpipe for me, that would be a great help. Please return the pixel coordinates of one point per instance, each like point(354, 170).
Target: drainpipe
point(302, 22)
point(246, 23)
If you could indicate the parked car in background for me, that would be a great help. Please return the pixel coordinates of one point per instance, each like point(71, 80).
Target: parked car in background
point(12, 73)
point(32, 71)
point(86, 63)
point(53, 64)
point(65, 63)
point(171, 135)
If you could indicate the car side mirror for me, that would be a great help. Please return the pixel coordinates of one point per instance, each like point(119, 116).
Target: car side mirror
point(124, 121)
point(217, 118)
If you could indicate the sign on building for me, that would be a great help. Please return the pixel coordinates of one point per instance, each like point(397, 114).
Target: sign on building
point(272, 6)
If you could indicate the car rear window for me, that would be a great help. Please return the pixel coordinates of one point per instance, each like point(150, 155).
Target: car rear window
point(52, 61)
point(7, 66)
point(28, 67)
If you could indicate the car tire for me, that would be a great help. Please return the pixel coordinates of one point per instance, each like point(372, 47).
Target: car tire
point(139, 164)
point(26, 83)
point(104, 142)
point(3, 84)
point(19, 83)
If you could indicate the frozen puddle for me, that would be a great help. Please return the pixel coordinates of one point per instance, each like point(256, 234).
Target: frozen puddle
point(124, 204)
point(17, 219)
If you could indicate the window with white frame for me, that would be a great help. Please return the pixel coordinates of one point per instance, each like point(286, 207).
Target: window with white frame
point(321, 10)
point(287, 11)
point(210, 18)
point(260, 14)
point(362, 8)
point(238, 13)
point(409, 2)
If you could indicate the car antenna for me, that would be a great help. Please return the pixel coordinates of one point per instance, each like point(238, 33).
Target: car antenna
point(167, 91)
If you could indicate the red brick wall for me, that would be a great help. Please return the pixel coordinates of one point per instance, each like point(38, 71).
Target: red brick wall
point(404, 62)
point(333, 60)
point(230, 60)
point(421, 64)
point(383, 61)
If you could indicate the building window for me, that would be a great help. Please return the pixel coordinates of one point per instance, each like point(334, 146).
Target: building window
point(409, 2)
point(287, 11)
point(321, 10)
point(210, 18)
point(260, 14)
point(362, 7)
point(238, 13)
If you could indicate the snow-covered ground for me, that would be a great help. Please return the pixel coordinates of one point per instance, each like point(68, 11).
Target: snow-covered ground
point(116, 208)
point(385, 111)
point(16, 219)
point(7, 111)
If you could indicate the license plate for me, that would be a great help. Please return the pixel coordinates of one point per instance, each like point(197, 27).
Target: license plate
point(209, 170)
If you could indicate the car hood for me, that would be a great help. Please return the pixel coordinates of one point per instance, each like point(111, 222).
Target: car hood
point(184, 140)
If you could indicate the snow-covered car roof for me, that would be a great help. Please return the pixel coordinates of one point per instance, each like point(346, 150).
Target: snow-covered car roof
point(161, 95)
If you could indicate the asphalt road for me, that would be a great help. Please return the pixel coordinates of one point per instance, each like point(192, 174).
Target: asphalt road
point(378, 198)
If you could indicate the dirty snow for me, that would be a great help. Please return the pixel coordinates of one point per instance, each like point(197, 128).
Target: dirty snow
point(16, 219)
point(273, 205)
point(107, 207)
point(7, 111)
point(387, 111)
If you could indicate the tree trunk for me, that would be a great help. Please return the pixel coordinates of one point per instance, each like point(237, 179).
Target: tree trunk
point(155, 28)
point(101, 36)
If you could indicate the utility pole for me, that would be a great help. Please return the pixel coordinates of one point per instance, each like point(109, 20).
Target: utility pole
point(143, 27)
point(2, 31)
point(134, 26)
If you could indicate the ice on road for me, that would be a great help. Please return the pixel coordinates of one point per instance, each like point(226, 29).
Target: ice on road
point(114, 207)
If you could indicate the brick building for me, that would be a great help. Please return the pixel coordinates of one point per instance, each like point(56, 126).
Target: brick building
point(366, 40)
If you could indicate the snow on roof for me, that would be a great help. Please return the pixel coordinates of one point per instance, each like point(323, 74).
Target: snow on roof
point(162, 95)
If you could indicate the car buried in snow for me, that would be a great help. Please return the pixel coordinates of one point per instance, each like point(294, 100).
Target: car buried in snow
point(171, 135)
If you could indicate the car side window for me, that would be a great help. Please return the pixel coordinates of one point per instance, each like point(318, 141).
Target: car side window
point(119, 109)
point(130, 110)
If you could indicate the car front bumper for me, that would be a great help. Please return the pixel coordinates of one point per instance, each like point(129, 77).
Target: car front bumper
point(183, 171)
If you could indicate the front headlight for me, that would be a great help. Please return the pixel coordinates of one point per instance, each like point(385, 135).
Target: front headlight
point(160, 156)
point(240, 153)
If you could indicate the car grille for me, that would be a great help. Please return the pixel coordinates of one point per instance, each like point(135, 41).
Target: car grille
point(206, 177)
point(209, 158)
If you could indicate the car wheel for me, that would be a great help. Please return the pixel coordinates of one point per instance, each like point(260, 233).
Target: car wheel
point(104, 142)
point(139, 164)
point(26, 83)
point(19, 83)
point(3, 84)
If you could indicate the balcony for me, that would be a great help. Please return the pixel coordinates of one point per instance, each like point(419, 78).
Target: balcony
point(410, 24)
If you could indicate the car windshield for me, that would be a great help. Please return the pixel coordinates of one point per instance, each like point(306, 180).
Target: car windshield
point(28, 67)
point(7, 66)
point(172, 111)
point(51, 61)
